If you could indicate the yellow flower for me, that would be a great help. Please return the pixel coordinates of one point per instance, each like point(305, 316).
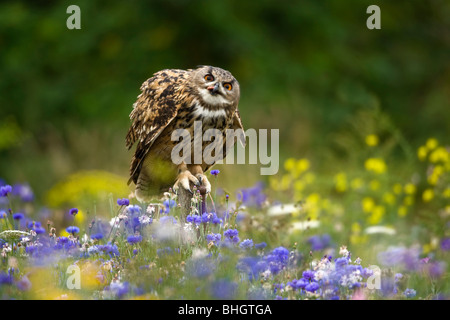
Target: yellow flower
point(341, 182)
point(446, 193)
point(289, 164)
point(372, 140)
point(402, 211)
point(422, 153)
point(377, 214)
point(376, 165)
point(410, 188)
point(431, 143)
point(389, 198)
point(303, 165)
point(397, 188)
point(440, 154)
point(428, 195)
point(368, 204)
point(433, 178)
point(309, 177)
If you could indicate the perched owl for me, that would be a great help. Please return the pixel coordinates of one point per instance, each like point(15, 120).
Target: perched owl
point(174, 99)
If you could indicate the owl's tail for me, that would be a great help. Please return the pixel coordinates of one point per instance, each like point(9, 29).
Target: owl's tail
point(144, 190)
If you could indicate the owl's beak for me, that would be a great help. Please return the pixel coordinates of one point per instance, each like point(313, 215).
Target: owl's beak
point(213, 89)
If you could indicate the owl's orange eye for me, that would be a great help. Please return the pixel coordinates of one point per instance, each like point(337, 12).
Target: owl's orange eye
point(209, 77)
point(228, 86)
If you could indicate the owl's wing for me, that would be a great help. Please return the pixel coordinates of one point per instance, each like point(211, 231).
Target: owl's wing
point(155, 108)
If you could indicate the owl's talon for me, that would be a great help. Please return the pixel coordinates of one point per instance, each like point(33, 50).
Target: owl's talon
point(184, 179)
point(204, 181)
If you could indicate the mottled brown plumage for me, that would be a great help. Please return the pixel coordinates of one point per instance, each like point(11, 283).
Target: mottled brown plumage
point(173, 99)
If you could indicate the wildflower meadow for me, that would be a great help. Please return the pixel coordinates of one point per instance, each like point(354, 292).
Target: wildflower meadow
point(343, 191)
point(363, 233)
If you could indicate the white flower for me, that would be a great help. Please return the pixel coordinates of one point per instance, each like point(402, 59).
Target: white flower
point(380, 229)
point(304, 225)
point(145, 220)
point(283, 209)
point(343, 251)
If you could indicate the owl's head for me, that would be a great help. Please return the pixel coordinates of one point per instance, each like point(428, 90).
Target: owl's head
point(216, 87)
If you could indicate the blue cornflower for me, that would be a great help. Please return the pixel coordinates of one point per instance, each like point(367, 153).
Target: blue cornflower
point(206, 217)
point(123, 202)
point(215, 172)
point(308, 274)
point(246, 244)
point(62, 240)
point(97, 236)
point(261, 245)
point(319, 242)
point(313, 286)
point(410, 293)
point(169, 204)
point(341, 262)
point(213, 237)
point(445, 244)
point(18, 216)
point(281, 253)
point(134, 239)
point(215, 219)
point(73, 211)
point(230, 233)
point(5, 190)
point(39, 230)
point(194, 218)
point(3, 215)
point(72, 230)
point(133, 209)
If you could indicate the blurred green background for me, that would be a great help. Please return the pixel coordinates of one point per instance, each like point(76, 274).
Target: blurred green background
point(309, 68)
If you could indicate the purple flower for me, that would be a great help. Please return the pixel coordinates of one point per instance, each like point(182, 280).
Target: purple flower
point(72, 230)
point(252, 196)
point(169, 204)
point(409, 293)
point(123, 202)
point(194, 218)
point(445, 244)
point(246, 244)
point(97, 236)
point(215, 172)
point(23, 191)
point(230, 233)
point(134, 239)
point(308, 274)
point(213, 237)
point(73, 211)
point(319, 242)
point(312, 287)
point(261, 245)
point(62, 240)
point(24, 284)
point(18, 216)
point(5, 190)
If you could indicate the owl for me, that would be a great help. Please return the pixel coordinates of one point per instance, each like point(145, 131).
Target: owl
point(177, 99)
